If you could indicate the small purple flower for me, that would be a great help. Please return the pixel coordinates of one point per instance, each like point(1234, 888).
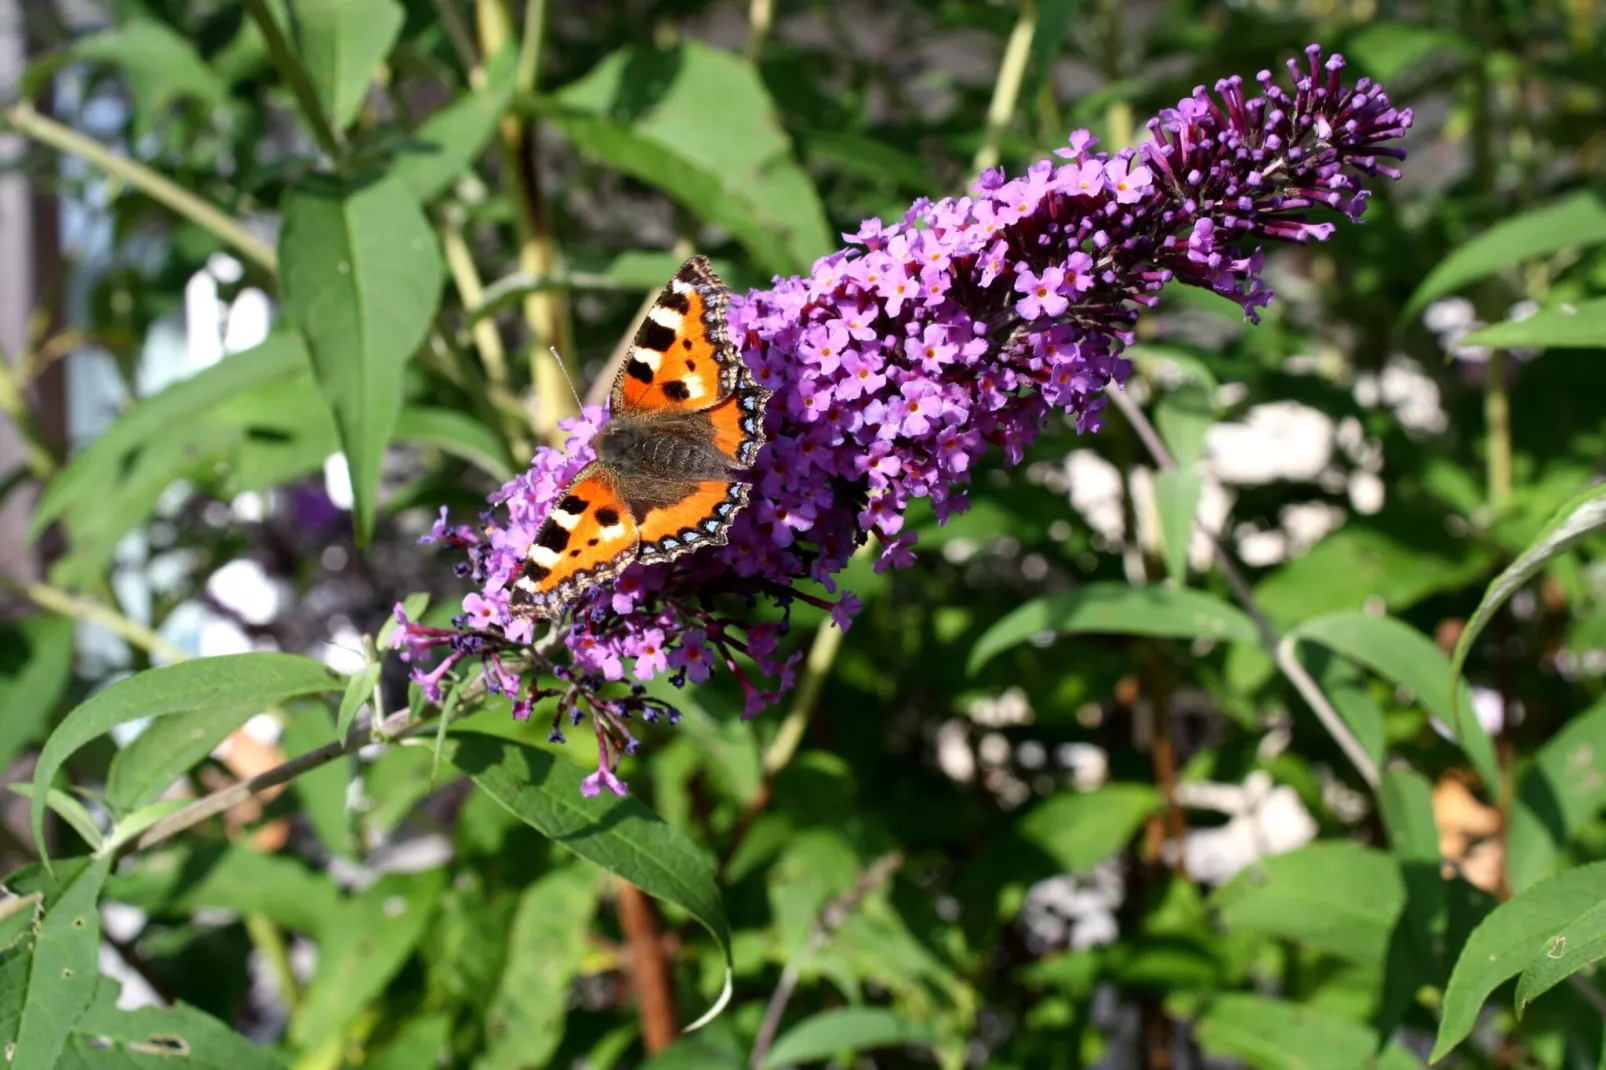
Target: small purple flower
point(1043, 297)
point(1127, 184)
point(649, 654)
point(604, 777)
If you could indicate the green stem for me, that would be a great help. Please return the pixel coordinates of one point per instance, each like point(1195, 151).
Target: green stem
point(295, 78)
point(269, 941)
point(528, 73)
point(1006, 91)
point(760, 17)
point(91, 612)
point(1497, 415)
point(30, 123)
point(36, 454)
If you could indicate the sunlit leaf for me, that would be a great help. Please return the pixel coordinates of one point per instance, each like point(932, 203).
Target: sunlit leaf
point(36, 655)
point(844, 1031)
point(1581, 326)
point(1271, 1034)
point(1339, 897)
point(450, 140)
point(1560, 792)
point(50, 985)
point(341, 43)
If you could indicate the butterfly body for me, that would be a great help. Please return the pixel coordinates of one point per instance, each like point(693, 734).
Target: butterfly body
point(686, 420)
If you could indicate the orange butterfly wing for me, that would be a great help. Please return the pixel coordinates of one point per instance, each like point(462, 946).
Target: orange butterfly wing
point(701, 518)
point(681, 359)
point(589, 537)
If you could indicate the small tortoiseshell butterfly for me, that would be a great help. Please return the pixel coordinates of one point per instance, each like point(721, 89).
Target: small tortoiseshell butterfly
point(686, 417)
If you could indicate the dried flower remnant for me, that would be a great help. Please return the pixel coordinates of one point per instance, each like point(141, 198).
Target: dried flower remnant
point(902, 359)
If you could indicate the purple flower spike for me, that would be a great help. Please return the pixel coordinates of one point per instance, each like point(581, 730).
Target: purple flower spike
point(903, 359)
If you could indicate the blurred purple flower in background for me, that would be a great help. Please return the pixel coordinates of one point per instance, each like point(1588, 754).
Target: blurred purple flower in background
point(901, 360)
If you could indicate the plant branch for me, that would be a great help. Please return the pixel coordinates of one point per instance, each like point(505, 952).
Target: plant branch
point(1280, 648)
point(295, 78)
point(649, 968)
point(1006, 91)
point(760, 17)
point(79, 607)
point(158, 188)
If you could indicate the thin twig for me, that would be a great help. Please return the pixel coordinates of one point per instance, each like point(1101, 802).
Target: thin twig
point(760, 16)
point(832, 918)
point(90, 611)
point(46, 131)
point(295, 78)
point(1281, 649)
point(649, 968)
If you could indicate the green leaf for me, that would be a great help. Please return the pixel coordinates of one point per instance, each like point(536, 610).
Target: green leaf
point(138, 821)
point(1574, 222)
point(1183, 417)
point(62, 971)
point(322, 791)
point(1338, 897)
point(1573, 522)
point(232, 877)
point(459, 435)
point(1506, 941)
point(103, 462)
point(1558, 795)
point(848, 1029)
point(698, 123)
point(159, 755)
point(160, 65)
point(694, 1053)
point(361, 276)
point(341, 42)
point(1357, 563)
point(1350, 693)
point(1176, 498)
point(1081, 829)
point(36, 655)
point(152, 1038)
point(1271, 1034)
point(1116, 609)
point(1580, 943)
point(1405, 800)
point(1409, 659)
point(1581, 326)
point(69, 809)
point(227, 682)
point(453, 138)
point(364, 944)
point(524, 1021)
point(1163, 362)
point(359, 689)
point(424, 1041)
point(621, 835)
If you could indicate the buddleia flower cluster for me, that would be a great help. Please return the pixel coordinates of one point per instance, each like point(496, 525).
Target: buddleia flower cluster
point(901, 360)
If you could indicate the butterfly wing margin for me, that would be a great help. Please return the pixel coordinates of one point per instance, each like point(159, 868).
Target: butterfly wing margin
point(737, 423)
point(589, 537)
point(682, 358)
point(702, 517)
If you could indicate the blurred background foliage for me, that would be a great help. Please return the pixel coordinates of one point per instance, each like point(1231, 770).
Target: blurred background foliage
point(1017, 817)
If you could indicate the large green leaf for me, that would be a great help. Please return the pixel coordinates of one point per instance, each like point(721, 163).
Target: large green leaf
point(158, 1038)
point(1409, 659)
point(450, 140)
point(1579, 944)
point(842, 1031)
point(341, 43)
point(1506, 941)
point(1272, 1034)
point(622, 835)
point(524, 1021)
point(1580, 326)
point(698, 123)
point(1574, 522)
point(160, 754)
point(1339, 897)
point(1556, 798)
point(180, 880)
point(43, 1001)
point(361, 276)
point(1574, 222)
point(161, 66)
point(36, 656)
point(222, 683)
point(1116, 609)
point(1081, 829)
point(174, 411)
point(370, 938)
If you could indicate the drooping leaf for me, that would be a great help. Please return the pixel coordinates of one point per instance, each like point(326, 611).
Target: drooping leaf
point(361, 277)
point(62, 970)
point(1272, 1034)
point(457, 434)
point(1573, 522)
point(1116, 609)
point(359, 689)
point(1573, 222)
point(450, 140)
point(621, 835)
point(1556, 798)
point(159, 755)
point(1356, 564)
point(160, 65)
point(1339, 897)
point(842, 1031)
point(69, 809)
point(370, 937)
point(1506, 941)
point(341, 43)
point(1183, 417)
point(1567, 326)
point(222, 683)
point(36, 655)
point(1176, 498)
point(1081, 829)
point(524, 1021)
point(698, 123)
point(1409, 659)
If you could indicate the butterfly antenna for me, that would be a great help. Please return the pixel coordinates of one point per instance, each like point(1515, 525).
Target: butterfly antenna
point(564, 368)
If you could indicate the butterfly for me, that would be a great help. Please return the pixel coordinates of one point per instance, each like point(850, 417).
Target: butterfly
point(686, 419)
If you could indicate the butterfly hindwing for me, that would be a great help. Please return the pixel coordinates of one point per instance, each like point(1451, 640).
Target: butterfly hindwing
point(701, 517)
point(589, 537)
point(738, 421)
point(681, 359)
